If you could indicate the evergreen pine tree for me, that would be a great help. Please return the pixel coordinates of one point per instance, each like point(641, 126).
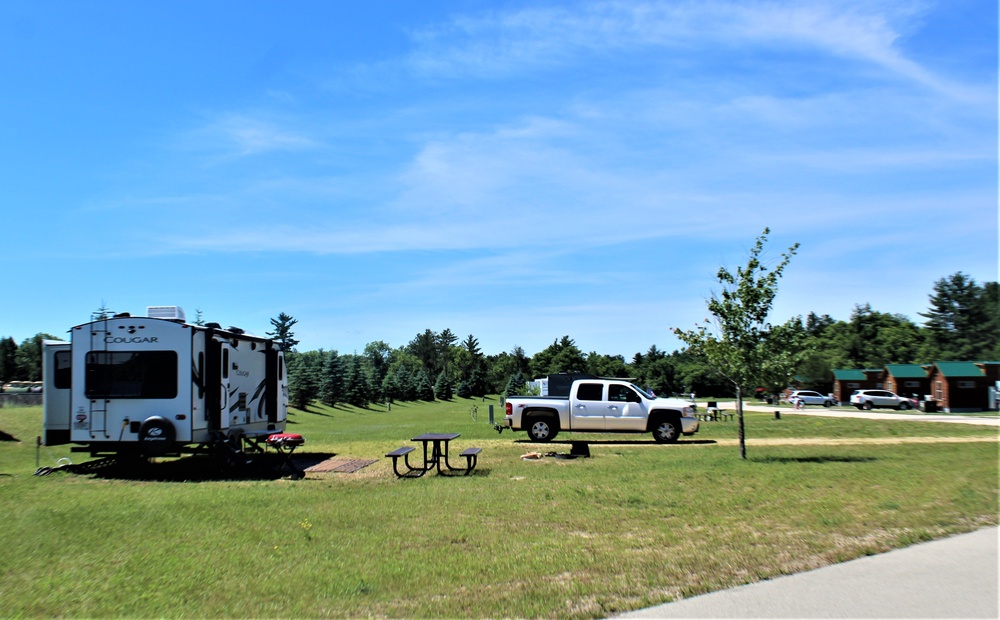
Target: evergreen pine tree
point(332, 383)
point(516, 385)
point(357, 390)
point(442, 387)
point(424, 391)
point(283, 332)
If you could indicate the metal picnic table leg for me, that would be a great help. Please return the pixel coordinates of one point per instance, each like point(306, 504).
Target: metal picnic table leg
point(410, 468)
point(296, 472)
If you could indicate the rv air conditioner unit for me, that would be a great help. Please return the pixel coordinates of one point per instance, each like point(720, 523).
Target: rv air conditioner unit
point(173, 313)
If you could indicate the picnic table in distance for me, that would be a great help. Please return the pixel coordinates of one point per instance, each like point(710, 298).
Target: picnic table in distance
point(437, 443)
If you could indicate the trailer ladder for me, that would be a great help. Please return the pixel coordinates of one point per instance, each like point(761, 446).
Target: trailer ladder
point(99, 343)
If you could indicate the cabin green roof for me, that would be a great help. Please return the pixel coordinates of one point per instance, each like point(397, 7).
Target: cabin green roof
point(849, 374)
point(907, 371)
point(959, 369)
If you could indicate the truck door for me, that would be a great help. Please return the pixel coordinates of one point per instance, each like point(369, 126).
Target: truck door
point(625, 410)
point(587, 407)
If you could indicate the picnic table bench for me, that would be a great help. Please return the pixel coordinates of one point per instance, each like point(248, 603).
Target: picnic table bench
point(713, 412)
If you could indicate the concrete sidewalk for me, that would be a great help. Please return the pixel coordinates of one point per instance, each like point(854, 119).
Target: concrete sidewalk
point(955, 577)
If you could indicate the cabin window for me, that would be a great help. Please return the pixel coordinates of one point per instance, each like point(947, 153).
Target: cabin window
point(135, 374)
point(966, 385)
point(63, 377)
point(590, 391)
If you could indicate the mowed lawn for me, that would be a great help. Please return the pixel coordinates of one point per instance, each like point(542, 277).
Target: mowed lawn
point(635, 525)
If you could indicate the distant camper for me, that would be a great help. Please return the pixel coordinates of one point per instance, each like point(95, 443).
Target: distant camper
point(157, 386)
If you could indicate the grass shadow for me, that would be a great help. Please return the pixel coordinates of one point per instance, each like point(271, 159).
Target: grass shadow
point(5, 437)
point(200, 468)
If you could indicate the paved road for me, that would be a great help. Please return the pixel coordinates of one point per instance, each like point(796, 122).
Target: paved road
point(952, 418)
point(951, 578)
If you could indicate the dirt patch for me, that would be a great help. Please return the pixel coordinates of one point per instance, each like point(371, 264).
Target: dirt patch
point(860, 441)
point(339, 465)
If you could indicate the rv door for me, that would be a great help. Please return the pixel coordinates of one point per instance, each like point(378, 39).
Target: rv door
point(218, 360)
point(226, 356)
point(56, 358)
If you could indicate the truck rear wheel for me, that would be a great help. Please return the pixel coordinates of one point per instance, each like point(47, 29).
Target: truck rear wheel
point(542, 429)
point(667, 430)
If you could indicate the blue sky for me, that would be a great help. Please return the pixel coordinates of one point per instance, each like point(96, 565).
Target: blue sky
point(518, 171)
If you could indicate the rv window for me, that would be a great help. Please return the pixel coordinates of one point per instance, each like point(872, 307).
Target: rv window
point(63, 375)
point(136, 374)
point(225, 363)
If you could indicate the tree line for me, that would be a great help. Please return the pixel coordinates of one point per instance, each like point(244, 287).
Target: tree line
point(962, 322)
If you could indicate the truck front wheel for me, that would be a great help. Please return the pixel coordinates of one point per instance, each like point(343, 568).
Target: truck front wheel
point(667, 431)
point(542, 429)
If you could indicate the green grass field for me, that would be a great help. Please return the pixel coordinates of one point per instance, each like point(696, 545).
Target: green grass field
point(635, 525)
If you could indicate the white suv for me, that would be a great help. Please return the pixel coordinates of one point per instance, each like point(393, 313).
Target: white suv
point(868, 399)
point(808, 397)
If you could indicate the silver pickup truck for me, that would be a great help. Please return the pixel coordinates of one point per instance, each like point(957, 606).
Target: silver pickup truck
point(601, 406)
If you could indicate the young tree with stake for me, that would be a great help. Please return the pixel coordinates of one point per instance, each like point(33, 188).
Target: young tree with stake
point(739, 343)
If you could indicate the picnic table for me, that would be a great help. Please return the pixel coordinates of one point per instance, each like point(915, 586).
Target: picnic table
point(435, 454)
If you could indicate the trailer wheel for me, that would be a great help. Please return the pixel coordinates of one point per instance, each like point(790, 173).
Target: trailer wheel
point(156, 437)
point(542, 429)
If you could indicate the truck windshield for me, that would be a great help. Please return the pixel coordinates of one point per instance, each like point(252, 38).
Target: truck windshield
point(642, 391)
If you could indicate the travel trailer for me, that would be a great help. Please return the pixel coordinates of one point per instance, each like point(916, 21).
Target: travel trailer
point(157, 386)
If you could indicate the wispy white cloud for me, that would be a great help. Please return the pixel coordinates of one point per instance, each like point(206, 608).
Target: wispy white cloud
point(241, 134)
point(656, 159)
point(500, 44)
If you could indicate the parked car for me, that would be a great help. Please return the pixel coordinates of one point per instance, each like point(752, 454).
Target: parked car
point(808, 397)
point(22, 387)
point(869, 399)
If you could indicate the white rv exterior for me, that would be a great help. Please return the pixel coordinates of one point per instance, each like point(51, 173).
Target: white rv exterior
point(156, 385)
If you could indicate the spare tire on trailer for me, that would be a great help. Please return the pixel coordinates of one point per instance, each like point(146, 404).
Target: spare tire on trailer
point(156, 437)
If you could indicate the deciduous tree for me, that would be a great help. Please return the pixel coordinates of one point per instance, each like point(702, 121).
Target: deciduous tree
point(740, 343)
point(8, 362)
